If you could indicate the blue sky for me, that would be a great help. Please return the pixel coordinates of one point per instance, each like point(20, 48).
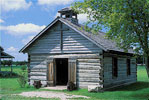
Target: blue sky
point(21, 20)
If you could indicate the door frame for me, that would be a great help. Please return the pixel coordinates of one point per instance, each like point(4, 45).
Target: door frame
point(52, 60)
point(56, 68)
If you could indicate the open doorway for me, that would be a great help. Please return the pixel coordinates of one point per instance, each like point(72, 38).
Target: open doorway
point(61, 71)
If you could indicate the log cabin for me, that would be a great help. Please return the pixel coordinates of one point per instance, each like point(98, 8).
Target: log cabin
point(64, 51)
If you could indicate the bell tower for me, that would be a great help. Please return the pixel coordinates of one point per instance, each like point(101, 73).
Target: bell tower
point(69, 14)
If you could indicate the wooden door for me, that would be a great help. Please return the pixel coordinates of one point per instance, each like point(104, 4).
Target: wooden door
point(72, 70)
point(51, 73)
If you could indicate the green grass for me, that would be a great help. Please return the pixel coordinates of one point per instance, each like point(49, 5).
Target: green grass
point(136, 91)
point(10, 86)
point(16, 69)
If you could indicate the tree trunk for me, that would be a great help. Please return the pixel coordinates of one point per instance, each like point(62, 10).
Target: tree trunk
point(147, 65)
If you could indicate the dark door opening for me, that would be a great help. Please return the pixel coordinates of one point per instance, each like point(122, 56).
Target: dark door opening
point(61, 71)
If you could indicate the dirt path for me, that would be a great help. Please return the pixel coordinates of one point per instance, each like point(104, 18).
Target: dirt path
point(50, 94)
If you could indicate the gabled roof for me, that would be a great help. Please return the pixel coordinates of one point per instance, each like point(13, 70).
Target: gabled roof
point(6, 55)
point(97, 39)
point(67, 9)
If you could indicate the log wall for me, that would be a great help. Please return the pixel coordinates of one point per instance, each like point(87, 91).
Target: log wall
point(87, 71)
point(123, 78)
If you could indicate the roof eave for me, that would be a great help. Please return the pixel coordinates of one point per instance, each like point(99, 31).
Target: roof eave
point(8, 56)
point(38, 35)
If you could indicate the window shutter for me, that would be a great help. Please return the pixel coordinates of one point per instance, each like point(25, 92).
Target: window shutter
point(51, 73)
point(72, 70)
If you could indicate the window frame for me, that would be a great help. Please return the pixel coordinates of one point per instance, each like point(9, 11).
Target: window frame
point(114, 67)
point(128, 65)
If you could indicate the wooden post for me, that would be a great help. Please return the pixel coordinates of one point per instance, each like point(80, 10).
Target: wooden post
point(28, 69)
point(11, 65)
point(61, 43)
point(0, 59)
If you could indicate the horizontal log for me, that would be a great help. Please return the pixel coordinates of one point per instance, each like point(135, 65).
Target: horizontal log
point(65, 51)
point(88, 75)
point(38, 70)
point(119, 78)
point(89, 64)
point(88, 71)
point(38, 66)
point(116, 85)
point(35, 79)
point(37, 73)
point(38, 77)
point(88, 67)
point(78, 44)
point(87, 83)
point(38, 63)
point(89, 60)
point(119, 81)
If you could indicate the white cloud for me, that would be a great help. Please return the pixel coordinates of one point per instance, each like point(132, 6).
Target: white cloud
point(15, 52)
point(54, 2)
point(8, 5)
point(11, 49)
point(22, 29)
point(57, 14)
point(1, 21)
point(82, 18)
point(25, 41)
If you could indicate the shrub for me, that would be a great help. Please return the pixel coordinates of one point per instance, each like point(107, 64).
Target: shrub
point(71, 86)
point(22, 79)
point(7, 74)
point(6, 62)
point(23, 68)
point(37, 84)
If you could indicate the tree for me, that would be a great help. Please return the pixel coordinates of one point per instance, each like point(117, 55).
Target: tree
point(126, 22)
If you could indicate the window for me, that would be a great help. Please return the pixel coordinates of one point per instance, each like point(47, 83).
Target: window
point(114, 67)
point(128, 67)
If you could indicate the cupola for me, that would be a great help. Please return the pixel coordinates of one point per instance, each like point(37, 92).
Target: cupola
point(69, 14)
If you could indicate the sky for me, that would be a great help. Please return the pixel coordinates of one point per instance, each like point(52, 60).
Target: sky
point(21, 20)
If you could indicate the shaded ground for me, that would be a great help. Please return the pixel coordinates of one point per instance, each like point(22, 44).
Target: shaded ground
point(51, 94)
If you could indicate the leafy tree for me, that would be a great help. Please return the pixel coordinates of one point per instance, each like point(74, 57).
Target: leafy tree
point(9, 62)
point(4, 62)
point(126, 21)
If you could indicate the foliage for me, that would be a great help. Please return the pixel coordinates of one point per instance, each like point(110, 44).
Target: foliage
point(37, 84)
point(140, 60)
point(7, 74)
point(23, 68)
point(22, 79)
point(6, 62)
point(126, 21)
point(17, 63)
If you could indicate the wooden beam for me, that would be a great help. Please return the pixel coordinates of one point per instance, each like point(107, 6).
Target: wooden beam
point(61, 42)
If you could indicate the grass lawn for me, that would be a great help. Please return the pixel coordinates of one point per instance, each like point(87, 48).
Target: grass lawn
point(136, 91)
point(9, 86)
